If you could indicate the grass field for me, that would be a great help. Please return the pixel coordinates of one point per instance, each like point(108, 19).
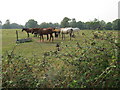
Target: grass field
point(38, 48)
point(84, 61)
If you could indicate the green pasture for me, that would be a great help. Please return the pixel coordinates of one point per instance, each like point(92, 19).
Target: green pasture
point(37, 48)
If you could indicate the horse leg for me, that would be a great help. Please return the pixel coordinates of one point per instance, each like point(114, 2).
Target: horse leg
point(64, 36)
point(70, 35)
point(47, 37)
point(28, 34)
point(42, 38)
point(55, 34)
point(52, 37)
point(74, 34)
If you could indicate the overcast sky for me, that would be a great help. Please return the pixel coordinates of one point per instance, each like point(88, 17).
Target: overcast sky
point(20, 11)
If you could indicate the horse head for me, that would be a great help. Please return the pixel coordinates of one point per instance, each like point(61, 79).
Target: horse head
point(24, 29)
point(53, 28)
point(71, 30)
point(33, 30)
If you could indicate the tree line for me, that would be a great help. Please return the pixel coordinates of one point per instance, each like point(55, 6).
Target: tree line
point(66, 22)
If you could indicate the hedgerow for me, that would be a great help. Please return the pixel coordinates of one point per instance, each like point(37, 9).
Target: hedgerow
point(94, 65)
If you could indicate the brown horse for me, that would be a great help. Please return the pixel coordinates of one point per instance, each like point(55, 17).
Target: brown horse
point(57, 32)
point(44, 31)
point(36, 31)
point(28, 30)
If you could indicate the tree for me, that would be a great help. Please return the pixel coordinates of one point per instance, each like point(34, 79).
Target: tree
point(7, 25)
point(47, 25)
point(44, 25)
point(95, 24)
point(0, 24)
point(73, 23)
point(16, 26)
point(56, 25)
point(31, 24)
point(65, 22)
point(108, 26)
point(80, 25)
point(116, 24)
point(88, 25)
point(102, 24)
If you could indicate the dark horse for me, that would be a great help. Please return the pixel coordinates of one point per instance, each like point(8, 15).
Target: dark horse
point(28, 30)
point(44, 31)
point(57, 32)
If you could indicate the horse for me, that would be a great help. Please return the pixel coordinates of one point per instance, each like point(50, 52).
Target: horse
point(28, 30)
point(66, 31)
point(76, 30)
point(57, 32)
point(44, 31)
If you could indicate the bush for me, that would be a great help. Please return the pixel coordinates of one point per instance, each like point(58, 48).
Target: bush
point(76, 66)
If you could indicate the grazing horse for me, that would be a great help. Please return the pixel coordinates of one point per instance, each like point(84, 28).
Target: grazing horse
point(66, 31)
point(57, 32)
point(28, 30)
point(44, 31)
point(76, 30)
